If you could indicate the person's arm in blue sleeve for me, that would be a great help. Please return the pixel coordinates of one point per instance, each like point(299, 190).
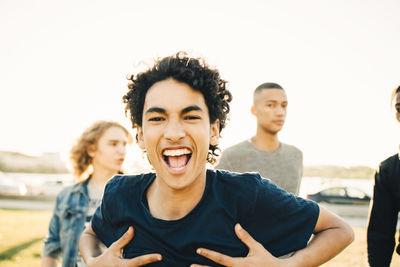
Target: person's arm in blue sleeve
point(52, 248)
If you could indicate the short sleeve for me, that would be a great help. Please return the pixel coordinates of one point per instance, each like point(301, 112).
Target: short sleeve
point(102, 220)
point(288, 221)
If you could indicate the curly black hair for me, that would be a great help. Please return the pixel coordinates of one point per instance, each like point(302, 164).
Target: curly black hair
point(182, 68)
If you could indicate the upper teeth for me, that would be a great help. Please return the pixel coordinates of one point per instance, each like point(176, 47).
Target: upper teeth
point(176, 152)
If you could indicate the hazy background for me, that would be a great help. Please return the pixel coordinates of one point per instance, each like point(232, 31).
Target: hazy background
point(63, 65)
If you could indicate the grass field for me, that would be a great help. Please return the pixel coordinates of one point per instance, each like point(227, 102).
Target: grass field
point(22, 232)
point(21, 235)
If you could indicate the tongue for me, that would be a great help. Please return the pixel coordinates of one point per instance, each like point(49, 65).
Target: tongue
point(177, 161)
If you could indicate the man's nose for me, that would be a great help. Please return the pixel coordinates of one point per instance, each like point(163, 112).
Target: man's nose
point(174, 131)
point(281, 111)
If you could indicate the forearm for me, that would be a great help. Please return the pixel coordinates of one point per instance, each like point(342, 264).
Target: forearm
point(48, 261)
point(51, 245)
point(323, 247)
point(332, 235)
point(89, 245)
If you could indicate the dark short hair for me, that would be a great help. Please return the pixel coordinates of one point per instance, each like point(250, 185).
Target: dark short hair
point(191, 71)
point(267, 86)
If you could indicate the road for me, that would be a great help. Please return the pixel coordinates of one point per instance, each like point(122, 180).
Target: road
point(355, 215)
point(26, 204)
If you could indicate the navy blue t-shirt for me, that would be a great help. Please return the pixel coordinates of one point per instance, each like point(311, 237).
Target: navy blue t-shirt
point(280, 221)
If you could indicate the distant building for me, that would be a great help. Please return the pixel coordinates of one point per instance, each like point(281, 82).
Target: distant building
point(18, 162)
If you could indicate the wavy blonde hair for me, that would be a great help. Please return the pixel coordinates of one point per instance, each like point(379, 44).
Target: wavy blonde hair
point(80, 159)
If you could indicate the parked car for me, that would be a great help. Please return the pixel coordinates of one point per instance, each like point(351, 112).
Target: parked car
point(11, 187)
point(341, 195)
point(51, 188)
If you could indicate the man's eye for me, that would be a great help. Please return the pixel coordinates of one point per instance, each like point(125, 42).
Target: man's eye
point(192, 118)
point(156, 119)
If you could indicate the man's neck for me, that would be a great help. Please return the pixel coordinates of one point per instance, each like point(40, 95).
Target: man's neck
point(169, 204)
point(266, 141)
point(100, 177)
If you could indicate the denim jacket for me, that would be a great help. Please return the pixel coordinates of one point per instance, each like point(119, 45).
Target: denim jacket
point(67, 224)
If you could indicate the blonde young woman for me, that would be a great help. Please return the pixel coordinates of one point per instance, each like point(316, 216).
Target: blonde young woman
point(96, 157)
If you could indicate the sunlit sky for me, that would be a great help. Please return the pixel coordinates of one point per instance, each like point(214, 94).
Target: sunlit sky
point(63, 65)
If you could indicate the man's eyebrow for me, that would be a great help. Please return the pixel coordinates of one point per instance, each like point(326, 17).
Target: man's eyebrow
point(190, 108)
point(275, 101)
point(156, 110)
point(184, 111)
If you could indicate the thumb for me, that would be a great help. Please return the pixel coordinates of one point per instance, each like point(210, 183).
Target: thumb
point(123, 240)
point(246, 238)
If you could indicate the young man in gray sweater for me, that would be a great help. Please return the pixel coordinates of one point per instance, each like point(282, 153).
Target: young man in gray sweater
point(264, 153)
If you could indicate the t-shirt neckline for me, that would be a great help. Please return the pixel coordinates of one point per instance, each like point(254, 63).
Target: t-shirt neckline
point(160, 222)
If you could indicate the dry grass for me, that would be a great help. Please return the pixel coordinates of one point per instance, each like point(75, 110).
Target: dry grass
point(355, 255)
point(21, 235)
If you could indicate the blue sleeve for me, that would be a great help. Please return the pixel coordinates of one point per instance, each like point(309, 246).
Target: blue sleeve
point(284, 219)
point(52, 247)
point(102, 221)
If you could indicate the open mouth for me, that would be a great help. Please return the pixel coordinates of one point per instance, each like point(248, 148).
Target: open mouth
point(177, 158)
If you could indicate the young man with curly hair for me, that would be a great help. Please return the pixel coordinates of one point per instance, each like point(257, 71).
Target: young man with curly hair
point(184, 214)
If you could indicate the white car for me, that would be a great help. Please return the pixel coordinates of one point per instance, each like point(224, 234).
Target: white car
point(11, 186)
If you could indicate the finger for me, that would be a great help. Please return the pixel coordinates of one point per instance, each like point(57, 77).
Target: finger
point(245, 237)
point(215, 256)
point(123, 240)
point(143, 260)
point(198, 265)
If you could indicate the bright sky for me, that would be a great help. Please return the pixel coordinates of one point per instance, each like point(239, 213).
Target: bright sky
point(63, 65)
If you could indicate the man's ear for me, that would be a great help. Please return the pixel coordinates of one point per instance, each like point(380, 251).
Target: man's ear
point(253, 110)
point(139, 134)
point(214, 133)
point(91, 149)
